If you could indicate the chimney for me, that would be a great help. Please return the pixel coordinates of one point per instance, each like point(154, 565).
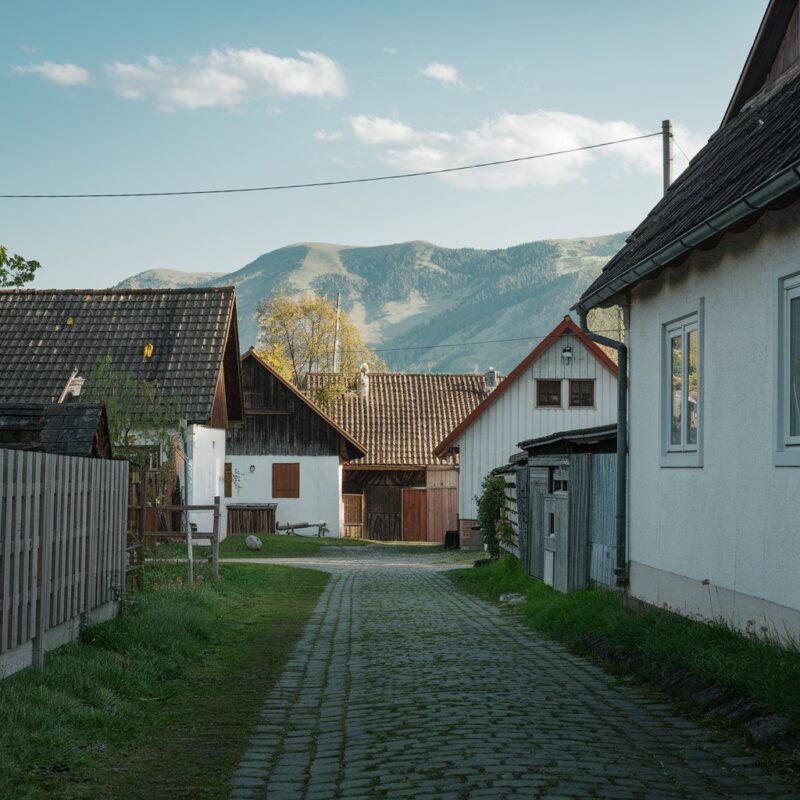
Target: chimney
point(363, 381)
point(491, 379)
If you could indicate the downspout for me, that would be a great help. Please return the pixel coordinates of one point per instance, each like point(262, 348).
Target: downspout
point(621, 569)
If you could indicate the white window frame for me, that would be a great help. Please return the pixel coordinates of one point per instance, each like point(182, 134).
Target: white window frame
point(685, 454)
point(788, 446)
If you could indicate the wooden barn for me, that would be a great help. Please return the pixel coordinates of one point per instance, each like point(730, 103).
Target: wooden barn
point(67, 429)
point(401, 490)
point(285, 463)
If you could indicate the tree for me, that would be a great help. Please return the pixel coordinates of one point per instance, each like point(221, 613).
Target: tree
point(296, 336)
point(15, 270)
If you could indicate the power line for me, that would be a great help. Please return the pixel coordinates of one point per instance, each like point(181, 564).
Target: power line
point(531, 338)
point(317, 184)
point(688, 160)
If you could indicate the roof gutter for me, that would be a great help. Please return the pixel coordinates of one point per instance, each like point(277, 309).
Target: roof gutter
point(785, 181)
point(621, 568)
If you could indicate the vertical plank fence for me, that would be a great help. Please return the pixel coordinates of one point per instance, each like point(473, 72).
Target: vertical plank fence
point(62, 549)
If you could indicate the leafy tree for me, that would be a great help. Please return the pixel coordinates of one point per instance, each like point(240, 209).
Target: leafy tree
point(15, 270)
point(139, 417)
point(296, 336)
point(491, 505)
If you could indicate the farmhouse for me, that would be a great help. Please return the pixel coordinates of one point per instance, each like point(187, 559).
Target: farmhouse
point(711, 278)
point(565, 382)
point(402, 490)
point(186, 340)
point(286, 460)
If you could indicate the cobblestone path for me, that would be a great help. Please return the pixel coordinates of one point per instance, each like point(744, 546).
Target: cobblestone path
point(402, 687)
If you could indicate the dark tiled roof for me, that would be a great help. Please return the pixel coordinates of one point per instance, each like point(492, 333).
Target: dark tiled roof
point(45, 334)
point(405, 415)
point(754, 146)
point(587, 436)
point(68, 429)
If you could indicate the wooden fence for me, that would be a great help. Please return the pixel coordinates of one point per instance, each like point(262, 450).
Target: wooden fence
point(62, 548)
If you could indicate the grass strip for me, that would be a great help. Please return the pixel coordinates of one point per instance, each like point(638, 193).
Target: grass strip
point(766, 671)
point(160, 701)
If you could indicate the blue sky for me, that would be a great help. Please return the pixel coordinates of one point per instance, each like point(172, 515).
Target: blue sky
point(101, 96)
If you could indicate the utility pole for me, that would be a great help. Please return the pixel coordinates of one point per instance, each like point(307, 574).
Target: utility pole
point(336, 332)
point(666, 143)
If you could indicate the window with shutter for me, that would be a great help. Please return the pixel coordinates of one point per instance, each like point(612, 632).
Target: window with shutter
point(228, 479)
point(286, 480)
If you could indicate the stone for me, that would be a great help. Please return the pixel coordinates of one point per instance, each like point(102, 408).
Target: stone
point(252, 543)
point(766, 730)
point(512, 598)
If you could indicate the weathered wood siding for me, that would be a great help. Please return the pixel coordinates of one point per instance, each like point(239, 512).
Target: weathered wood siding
point(577, 542)
point(277, 421)
point(63, 526)
point(415, 515)
point(442, 486)
point(537, 489)
point(494, 436)
point(383, 508)
point(603, 524)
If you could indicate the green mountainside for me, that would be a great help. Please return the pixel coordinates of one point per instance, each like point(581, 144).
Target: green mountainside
point(414, 294)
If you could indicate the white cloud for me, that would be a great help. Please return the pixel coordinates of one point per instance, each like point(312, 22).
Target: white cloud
point(29, 50)
point(228, 78)
point(64, 74)
point(327, 136)
point(508, 136)
point(444, 73)
point(380, 130)
point(389, 50)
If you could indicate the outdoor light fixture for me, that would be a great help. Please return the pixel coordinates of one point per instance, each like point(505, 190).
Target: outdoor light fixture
point(566, 355)
point(252, 468)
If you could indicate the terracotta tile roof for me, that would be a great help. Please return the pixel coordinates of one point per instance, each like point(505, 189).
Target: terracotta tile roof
point(45, 334)
point(405, 415)
point(756, 145)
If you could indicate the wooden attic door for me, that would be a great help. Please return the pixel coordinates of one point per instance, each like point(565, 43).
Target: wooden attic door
point(415, 515)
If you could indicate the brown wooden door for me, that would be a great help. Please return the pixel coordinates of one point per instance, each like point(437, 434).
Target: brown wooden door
point(415, 515)
point(353, 515)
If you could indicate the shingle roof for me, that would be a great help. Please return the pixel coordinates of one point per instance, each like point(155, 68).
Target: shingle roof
point(45, 334)
point(69, 429)
point(405, 415)
point(759, 143)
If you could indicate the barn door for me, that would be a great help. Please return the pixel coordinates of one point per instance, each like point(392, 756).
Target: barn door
point(536, 530)
point(353, 515)
point(415, 515)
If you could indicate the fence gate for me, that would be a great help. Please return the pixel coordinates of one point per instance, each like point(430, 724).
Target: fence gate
point(415, 515)
point(353, 515)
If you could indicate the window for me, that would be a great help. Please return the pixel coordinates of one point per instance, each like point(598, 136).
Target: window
point(548, 393)
point(286, 480)
point(581, 393)
point(682, 392)
point(789, 372)
point(228, 479)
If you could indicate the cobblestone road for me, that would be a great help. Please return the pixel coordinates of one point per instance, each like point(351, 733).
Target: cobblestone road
point(402, 687)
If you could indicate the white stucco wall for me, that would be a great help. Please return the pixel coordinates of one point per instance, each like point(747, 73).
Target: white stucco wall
point(206, 450)
point(722, 539)
point(320, 489)
point(514, 417)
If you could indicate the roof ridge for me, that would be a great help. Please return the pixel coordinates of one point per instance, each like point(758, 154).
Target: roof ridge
point(118, 290)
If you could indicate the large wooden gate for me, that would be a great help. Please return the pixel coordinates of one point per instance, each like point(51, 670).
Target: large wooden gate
point(353, 515)
point(415, 515)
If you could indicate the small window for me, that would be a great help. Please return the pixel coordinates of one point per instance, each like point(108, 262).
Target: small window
point(789, 372)
point(681, 412)
point(228, 479)
point(548, 393)
point(153, 461)
point(286, 480)
point(581, 393)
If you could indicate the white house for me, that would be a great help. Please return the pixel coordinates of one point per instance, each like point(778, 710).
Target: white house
point(712, 282)
point(288, 453)
point(184, 340)
point(566, 382)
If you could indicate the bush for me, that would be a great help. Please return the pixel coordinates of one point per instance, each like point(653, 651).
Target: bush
point(491, 503)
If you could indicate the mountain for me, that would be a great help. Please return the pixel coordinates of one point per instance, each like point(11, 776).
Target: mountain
point(416, 293)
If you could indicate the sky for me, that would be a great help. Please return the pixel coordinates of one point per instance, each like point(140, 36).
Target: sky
point(169, 95)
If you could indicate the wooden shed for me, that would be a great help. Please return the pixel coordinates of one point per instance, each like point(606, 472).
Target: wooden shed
point(401, 490)
point(567, 507)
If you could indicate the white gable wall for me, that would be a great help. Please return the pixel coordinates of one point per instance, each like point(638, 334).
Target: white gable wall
point(206, 456)
point(722, 539)
point(514, 417)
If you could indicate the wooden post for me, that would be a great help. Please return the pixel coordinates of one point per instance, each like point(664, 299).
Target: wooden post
point(142, 527)
point(45, 544)
point(215, 541)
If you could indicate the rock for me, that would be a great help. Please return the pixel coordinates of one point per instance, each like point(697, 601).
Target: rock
point(252, 543)
point(482, 562)
point(710, 697)
point(512, 598)
point(766, 730)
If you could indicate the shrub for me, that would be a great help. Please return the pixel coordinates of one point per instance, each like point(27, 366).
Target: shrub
point(491, 503)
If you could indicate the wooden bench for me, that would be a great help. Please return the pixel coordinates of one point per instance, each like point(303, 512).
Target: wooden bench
point(291, 528)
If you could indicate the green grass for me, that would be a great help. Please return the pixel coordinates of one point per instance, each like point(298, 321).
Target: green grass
point(158, 702)
point(764, 671)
